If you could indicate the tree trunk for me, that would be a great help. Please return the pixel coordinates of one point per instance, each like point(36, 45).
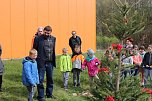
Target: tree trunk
point(119, 68)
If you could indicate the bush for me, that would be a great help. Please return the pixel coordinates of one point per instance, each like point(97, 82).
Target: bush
point(104, 42)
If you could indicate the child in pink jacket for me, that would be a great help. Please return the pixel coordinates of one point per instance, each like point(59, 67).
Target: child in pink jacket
point(91, 62)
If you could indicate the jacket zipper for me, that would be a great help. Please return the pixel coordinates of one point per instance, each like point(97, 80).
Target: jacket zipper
point(67, 63)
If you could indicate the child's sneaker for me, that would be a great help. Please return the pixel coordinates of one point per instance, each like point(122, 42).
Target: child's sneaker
point(78, 85)
point(66, 89)
point(74, 85)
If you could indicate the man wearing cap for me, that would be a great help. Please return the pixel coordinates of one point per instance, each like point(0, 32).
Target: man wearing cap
point(45, 45)
point(73, 41)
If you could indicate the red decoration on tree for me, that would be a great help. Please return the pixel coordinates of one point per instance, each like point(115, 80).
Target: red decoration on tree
point(103, 69)
point(109, 98)
point(148, 91)
point(117, 46)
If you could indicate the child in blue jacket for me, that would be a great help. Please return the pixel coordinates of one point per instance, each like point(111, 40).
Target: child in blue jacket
point(30, 76)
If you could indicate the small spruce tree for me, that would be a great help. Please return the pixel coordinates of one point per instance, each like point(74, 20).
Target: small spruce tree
point(121, 24)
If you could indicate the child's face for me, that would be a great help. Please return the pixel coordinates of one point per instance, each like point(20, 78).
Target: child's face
point(65, 52)
point(90, 55)
point(141, 50)
point(149, 48)
point(110, 55)
point(128, 42)
point(33, 56)
point(110, 48)
point(135, 52)
point(77, 50)
point(131, 52)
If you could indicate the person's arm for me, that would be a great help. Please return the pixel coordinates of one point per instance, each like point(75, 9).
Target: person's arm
point(84, 64)
point(82, 58)
point(61, 64)
point(144, 60)
point(54, 55)
point(70, 63)
point(0, 50)
point(80, 41)
point(98, 62)
point(70, 42)
point(35, 44)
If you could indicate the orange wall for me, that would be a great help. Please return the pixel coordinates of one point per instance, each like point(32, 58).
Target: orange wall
point(19, 20)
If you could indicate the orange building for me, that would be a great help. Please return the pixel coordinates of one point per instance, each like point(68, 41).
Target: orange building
point(19, 20)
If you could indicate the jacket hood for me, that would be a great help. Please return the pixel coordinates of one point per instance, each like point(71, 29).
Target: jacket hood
point(27, 59)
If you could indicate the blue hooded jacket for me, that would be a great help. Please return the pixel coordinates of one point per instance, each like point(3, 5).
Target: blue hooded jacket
point(29, 72)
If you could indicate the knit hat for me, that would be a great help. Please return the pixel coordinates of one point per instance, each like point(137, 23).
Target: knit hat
point(90, 52)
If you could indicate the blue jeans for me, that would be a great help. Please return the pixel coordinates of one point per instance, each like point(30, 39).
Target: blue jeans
point(65, 79)
point(147, 72)
point(48, 67)
point(31, 90)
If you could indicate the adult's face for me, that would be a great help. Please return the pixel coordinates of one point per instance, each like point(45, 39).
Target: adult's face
point(40, 31)
point(47, 33)
point(74, 34)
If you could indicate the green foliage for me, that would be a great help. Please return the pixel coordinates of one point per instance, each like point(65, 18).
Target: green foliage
point(106, 7)
point(104, 41)
point(122, 24)
point(130, 89)
point(13, 89)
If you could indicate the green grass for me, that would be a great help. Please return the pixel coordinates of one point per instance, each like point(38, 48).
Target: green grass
point(13, 90)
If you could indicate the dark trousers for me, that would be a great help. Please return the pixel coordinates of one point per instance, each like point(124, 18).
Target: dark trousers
point(76, 76)
point(31, 90)
point(48, 68)
point(1, 82)
point(135, 71)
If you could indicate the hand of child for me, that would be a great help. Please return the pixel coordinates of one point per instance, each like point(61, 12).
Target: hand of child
point(151, 66)
point(122, 64)
point(83, 69)
point(147, 66)
point(138, 64)
point(97, 64)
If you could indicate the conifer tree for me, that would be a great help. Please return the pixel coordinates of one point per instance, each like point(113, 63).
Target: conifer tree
point(122, 24)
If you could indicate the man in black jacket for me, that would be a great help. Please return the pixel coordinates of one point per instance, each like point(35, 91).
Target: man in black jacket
point(45, 45)
point(73, 41)
point(147, 65)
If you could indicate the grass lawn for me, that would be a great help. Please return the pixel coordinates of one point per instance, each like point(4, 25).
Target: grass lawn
point(13, 90)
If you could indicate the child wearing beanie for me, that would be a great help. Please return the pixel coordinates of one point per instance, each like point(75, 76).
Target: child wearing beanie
point(92, 63)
